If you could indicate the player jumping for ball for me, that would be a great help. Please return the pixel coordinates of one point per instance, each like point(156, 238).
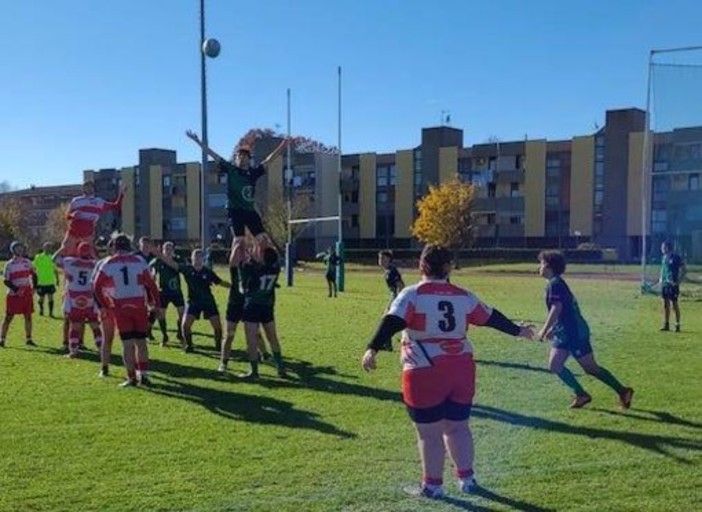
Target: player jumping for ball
point(83, 215)
point(241, 189)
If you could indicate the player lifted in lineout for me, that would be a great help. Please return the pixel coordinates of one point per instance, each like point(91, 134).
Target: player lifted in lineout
point(241, 191)
point(83, 215)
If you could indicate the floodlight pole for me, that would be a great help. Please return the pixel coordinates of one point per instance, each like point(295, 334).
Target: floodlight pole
point(204, 211)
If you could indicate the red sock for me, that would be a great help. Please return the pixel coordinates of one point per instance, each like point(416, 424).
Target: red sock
point(427, 480)
point(464, 473)
point(142, 366)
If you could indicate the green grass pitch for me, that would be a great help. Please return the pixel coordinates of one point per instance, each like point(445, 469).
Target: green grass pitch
point(335, 438)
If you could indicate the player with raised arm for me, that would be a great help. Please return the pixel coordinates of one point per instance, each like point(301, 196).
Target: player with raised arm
point(18, 277)
point(125, 283)
point(570, 335)
point(201, 301)
point(241, 190)
point(83, 215)
point(167, 268)
point(47, 277)
point(438, 370)
point(79, 305)
point(672, 271)
point(258, 281)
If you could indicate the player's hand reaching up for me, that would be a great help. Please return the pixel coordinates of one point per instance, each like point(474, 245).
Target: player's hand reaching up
point(368, 361)
point(192, 135)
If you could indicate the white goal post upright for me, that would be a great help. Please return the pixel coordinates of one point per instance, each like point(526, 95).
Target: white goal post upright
point(289, 247)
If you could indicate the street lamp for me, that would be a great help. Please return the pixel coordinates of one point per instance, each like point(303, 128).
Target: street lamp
point(208, 48)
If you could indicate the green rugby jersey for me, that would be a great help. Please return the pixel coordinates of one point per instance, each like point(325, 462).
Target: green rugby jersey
point(241, 184)
point(168, 277)
point(199, 283)
point(258, 283)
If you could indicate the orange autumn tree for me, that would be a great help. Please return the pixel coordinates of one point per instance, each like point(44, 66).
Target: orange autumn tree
point(445, 215)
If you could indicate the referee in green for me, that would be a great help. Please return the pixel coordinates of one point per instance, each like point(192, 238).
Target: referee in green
point(47, 277)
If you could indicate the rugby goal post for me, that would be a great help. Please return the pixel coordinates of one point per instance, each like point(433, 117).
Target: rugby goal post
point(290, 250)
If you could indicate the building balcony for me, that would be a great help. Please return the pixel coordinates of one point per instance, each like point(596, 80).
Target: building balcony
point(509, 176)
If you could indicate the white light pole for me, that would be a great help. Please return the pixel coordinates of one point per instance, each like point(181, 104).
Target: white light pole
point(208, 48)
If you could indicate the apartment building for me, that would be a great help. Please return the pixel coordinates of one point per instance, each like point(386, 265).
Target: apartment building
point(531, 193)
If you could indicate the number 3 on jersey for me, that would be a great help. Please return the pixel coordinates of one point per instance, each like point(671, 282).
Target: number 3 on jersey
point(448, 324)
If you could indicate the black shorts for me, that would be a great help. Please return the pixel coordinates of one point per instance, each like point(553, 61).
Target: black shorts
point(578, 349)
point(207, 310)
point(448, 410)
point(235, 312)
point(48, 289)
point(241, 219)
point(258, 313)
point(331, 276)
point(172, 297)
point(670, 291)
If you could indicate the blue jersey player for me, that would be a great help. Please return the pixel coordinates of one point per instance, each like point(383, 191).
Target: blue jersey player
point(569, 334)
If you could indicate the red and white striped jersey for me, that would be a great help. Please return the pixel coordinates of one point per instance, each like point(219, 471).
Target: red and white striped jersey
point(78, 291)
point(124, 281)
point(437, 314)
point(84, 213)
point(19, 272)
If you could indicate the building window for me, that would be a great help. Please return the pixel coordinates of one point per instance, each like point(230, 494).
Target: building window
point(354, 196)
point(166, 181)
point(693, 182)
point(354, 221)
point(381, 176)
point(221, 178)
point(514, 189)
point(490, 218)
point(516, 219)
point(393, 175)
point(178, 223)
point(382, 197)
point(599, 169)
point(217, 200)
point(492, 189)
point(659, 220)
point(660, 166)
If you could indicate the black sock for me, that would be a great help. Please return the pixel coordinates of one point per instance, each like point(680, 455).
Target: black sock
point(162, 326)
point(278, 359)
point(254, 367)
point(51, 307)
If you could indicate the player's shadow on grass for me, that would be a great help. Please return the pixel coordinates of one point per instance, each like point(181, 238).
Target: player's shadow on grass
point(488, 495)
point(307, 375)
point(655, 443)
point(512, 366)
point(652, 416)
point(244, 407)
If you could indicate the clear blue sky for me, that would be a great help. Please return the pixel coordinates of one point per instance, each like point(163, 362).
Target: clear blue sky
point(87, 83)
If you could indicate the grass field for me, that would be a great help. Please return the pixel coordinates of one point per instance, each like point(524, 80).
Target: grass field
point(334, 438)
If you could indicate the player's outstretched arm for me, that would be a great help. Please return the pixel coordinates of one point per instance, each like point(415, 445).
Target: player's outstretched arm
point(500, 322)
point(194, 137)
point(277, 151)
point(389, 326)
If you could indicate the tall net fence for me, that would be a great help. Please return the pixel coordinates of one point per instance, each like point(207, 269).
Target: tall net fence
point(672, 205)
